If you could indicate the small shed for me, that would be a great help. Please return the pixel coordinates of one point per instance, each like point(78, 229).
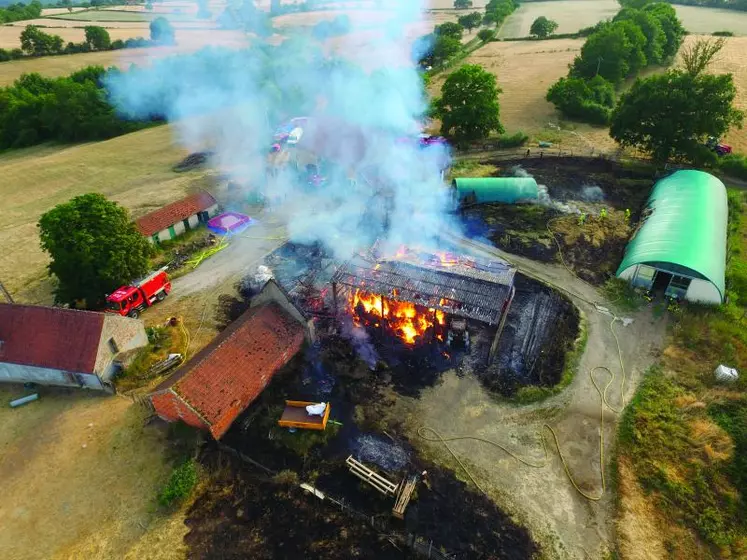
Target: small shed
point(679, 248)
point(507, 190)
point(178, 217)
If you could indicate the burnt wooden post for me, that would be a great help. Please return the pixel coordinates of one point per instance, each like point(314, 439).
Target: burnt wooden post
point(504, 314)
point(334, 298)
point(381, 309)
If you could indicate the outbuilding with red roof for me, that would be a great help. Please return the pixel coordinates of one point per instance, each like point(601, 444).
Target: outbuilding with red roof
point(224, 378)
point(174, 219)
point(65, 347)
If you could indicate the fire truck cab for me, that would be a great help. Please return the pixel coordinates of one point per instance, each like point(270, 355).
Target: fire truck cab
point(132, 300)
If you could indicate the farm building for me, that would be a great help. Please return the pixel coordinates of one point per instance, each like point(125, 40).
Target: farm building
point(679, 247)
point(507, 190)
point(223, 379)
point(64, 347)
point(174, 219)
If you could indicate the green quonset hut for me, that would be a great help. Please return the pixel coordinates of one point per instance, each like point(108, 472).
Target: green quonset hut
point(507, 190)
point(680, 246)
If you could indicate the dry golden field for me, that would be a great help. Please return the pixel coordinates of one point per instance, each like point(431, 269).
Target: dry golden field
point(525, 70)
point(80, 475)
point(134, 170)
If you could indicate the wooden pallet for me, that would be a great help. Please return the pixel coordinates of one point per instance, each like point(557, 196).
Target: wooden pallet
point(404, 493)
point(386, 487)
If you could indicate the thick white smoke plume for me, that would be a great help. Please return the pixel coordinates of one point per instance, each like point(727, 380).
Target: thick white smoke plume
point(361, 118)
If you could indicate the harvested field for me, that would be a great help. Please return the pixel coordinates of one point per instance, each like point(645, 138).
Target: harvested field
point(188, 40)
point(571, 15)
point(134, 170)
point(526, 70)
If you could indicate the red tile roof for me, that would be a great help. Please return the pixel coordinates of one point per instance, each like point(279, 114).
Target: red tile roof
point(50, 337)
point(227, 375)
point(175, 212)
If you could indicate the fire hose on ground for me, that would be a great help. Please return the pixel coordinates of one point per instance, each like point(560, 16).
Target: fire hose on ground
point(437, 437)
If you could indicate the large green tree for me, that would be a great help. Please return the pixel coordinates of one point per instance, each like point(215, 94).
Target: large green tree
point(470, 21)
point(93, 246)
point(652, 30)
point(462, 4)
point(449, 29)
point(614, 52)
point(97, 38)
point(671, 115)
point(670, 25)
point(543, 27)
point(34, 41)
point(468, 106)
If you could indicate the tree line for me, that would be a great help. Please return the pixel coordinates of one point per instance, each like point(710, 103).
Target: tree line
point(35, 42)
point(740, 5)
point(75, 108)
point(20, 11)
point(445, 42)
point(616, 50)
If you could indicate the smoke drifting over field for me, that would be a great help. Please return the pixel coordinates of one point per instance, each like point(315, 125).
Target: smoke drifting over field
point(230, 102)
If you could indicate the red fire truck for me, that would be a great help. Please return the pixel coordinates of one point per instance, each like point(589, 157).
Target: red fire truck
point(132, 300)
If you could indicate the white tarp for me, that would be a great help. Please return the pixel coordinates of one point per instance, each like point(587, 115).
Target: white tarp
point(316, 409)
point(726, 374)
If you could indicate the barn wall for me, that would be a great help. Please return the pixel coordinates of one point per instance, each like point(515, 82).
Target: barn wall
point(164, 235)
point(16, 373)
point(128, 334)
point(171, 408)
point(179, 228)
point(194, 221)
point(703, 291)
point(213, 210)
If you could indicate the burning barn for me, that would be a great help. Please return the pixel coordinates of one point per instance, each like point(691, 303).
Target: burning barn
point(422, 298)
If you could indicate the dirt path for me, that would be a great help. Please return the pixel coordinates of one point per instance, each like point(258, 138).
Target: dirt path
point(244, 252)
point(567, 524)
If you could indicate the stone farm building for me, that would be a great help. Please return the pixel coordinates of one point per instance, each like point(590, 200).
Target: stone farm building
point(679, 248)
point(224, 378)
point(64, 347)
point(174, 219)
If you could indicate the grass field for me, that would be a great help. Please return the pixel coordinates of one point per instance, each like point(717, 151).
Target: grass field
point(134, 170)
point(80, 475)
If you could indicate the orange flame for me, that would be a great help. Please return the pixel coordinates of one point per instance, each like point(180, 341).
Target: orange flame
point(404, 319)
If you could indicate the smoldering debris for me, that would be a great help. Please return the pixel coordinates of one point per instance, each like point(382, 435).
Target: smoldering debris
point(374, 449)
point(231, 102)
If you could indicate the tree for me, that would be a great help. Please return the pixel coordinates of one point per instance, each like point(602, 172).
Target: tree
point(94, 248)
point(670, 25)
point(586, 100)
point(470, 21)
point(697, 57)
point(34, 41)
point(486, 34)
point(651, 29)
point(449, 29)
point(162, 32)
point(635, 4)
point(610, 53)
point(671, 115)
point(68, 4)
point(468, 106)
point(97, 38)
point(434, 50)
point(543, 27)
point(462, 4)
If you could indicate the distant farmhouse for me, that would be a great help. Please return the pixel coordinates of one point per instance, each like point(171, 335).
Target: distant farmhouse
point(64, 347)
point(223, 379)
point(178, 217)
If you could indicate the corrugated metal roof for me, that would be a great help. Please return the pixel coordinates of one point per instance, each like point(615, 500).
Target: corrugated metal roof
point(685, 224)
point(50, 337)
